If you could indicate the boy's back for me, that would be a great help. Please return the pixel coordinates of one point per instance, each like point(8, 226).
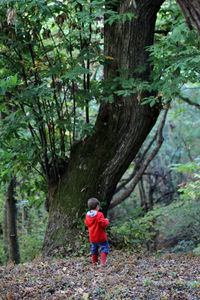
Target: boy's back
point(96, 223)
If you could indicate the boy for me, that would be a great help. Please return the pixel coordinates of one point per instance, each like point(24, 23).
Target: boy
point(96, 223)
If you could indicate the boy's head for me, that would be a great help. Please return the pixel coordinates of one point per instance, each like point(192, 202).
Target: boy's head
point(93, 203)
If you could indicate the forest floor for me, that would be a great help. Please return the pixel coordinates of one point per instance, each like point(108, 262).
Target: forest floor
point(126, 276)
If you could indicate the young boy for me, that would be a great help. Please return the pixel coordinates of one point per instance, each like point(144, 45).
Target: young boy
point(96, 224)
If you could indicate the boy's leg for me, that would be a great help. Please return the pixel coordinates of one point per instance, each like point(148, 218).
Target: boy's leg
point(104, 251)
point(103, 257)
point(94, 259)
point(94, 252)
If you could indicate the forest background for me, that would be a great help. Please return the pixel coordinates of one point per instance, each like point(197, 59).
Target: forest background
point(49, 103)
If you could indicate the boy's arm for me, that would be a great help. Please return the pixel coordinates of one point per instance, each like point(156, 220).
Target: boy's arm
point(104, 222)
point(86, 222)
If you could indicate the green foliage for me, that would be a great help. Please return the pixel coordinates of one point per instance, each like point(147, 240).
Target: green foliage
point(174, 56)
point(184, 215)
point(197, 250)
point(175, 61)
point(183, 246)
point(51, 75)
point(30, 233)
point(31, 217)
point(30, 243)
point(178, 221)
point(135, 231)
point(191, 189)
point(115, 17)
point(49, 55)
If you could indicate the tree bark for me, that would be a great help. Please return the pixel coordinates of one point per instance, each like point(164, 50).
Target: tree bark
point(14, 255)
point(191, 12)
point(5, 233)
point(143, 198)
point(97, 163)
point(126, 193)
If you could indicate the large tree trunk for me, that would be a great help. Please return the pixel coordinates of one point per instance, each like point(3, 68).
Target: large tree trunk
point(97, 163)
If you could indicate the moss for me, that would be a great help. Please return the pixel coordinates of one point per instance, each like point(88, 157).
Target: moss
point(61, 232)
point(78, 184)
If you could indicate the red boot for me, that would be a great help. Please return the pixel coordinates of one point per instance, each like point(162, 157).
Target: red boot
point(94, 259)
point(103, 258)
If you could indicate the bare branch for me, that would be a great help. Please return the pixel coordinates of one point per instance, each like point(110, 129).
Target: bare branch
point(188, 101)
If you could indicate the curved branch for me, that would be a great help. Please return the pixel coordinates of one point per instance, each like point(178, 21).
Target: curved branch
point(131, 187)
point(139, 159)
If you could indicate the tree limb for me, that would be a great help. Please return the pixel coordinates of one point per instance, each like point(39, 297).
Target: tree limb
point(188, 101)
point(117, 200)
point(139, 159)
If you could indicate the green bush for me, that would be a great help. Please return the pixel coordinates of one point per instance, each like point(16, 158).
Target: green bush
point(136, 232)
point(31, 237)
point(183, 246)
point(175, 225)
point(197, 250)
point(2, 253)
point(31, 245)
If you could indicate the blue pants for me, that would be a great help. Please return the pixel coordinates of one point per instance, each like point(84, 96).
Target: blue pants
point(103, 245)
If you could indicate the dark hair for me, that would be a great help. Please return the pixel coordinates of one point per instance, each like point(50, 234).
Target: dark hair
point(92, 203)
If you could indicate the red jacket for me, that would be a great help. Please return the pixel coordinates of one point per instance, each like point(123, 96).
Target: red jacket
point(96, 222)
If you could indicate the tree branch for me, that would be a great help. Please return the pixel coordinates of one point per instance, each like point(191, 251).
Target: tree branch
point(131, 187)
point(188, 101)
point(139, 159)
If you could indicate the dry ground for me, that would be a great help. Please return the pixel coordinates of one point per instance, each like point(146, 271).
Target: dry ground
point(126, 276)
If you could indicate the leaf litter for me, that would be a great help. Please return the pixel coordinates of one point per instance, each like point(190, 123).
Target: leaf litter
point(125, 276)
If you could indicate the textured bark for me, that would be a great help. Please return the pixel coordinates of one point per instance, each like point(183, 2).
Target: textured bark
point(5, 232)
point(97, 163)
point(191, 12)
point(143, 198)
point(125, 194)
point(12, 223)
